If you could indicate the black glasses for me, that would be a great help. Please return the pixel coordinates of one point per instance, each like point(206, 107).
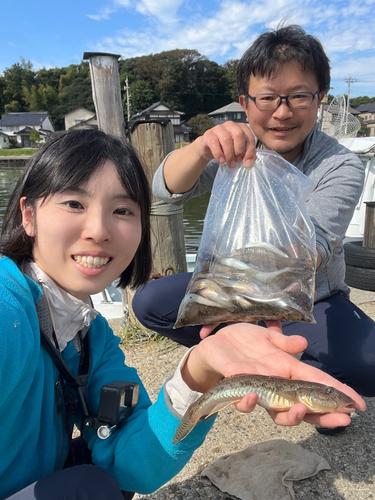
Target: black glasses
point(297, 100)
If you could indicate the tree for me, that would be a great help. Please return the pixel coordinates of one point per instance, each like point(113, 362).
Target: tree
point(34, 136)
point(199, 124)
point(363, 131)
point(357, 101)
point(230, 68)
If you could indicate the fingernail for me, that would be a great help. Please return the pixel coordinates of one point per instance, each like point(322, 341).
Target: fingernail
point(232, 164)
point(248, 163)
point(221, 160)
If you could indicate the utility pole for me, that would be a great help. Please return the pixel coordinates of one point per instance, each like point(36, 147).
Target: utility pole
point(348, 81)
point(127, 97)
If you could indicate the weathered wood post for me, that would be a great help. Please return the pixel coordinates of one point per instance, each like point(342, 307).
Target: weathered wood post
point(369, 230)
point(154, 139)
point(106, 91)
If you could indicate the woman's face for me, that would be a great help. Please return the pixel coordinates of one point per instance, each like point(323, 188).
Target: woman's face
point(84, 239)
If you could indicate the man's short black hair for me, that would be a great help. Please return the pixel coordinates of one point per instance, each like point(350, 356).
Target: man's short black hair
point(273, 49)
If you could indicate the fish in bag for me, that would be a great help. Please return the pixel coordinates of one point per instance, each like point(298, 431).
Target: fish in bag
point(257, 257)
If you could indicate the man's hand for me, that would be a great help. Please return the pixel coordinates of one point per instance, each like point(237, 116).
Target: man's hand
point(229, 143)
point(246, 348)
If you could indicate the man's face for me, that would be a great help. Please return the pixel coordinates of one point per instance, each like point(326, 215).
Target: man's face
point(283, 130)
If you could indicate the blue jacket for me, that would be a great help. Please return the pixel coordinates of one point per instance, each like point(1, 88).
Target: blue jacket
point(33, 440)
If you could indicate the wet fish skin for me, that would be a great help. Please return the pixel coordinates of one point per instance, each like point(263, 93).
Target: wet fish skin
point(274, 393)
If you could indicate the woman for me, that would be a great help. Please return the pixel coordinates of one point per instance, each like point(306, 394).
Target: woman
point(78, 219)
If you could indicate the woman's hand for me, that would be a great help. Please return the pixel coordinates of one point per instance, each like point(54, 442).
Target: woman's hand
point(246, 348)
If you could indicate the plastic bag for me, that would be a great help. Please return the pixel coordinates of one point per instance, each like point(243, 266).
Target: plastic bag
point(257, 256)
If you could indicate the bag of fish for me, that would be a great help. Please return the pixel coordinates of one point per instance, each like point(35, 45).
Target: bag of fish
point(257, 257)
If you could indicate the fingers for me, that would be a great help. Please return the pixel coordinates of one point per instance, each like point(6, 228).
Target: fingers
point(248, 403)
point(206, 330)
point(293, 344)
point(274, 325)
point(230, 143)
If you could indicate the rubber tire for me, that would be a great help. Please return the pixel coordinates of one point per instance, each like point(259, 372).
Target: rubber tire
point(359, 277)
point(358, 256)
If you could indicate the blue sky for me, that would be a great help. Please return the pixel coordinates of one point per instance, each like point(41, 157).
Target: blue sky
point(55, 34)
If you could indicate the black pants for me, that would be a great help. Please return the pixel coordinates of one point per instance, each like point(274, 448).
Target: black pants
point(82, 482)
point(341, 343)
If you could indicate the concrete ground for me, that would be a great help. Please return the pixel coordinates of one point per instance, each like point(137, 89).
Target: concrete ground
point(351, 455)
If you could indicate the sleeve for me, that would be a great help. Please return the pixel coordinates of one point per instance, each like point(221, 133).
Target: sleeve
point(140, 455)
point(332, 203)
point(203, 184)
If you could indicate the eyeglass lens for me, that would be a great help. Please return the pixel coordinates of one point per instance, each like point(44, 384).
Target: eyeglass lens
point(272, 101)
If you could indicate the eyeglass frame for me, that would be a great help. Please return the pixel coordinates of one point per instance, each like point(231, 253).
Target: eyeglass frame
point(281, 97)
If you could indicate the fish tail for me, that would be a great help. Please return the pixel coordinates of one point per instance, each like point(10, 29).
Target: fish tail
point(184, 428)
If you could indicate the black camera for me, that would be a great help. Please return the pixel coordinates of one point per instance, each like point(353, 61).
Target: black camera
point(117, 401)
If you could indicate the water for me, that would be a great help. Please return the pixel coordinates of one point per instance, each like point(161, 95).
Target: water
point(194, 210)
point(8, 179)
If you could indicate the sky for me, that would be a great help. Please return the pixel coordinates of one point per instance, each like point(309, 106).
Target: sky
point(56, 33)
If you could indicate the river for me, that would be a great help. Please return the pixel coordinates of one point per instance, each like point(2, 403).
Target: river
point(194, 210)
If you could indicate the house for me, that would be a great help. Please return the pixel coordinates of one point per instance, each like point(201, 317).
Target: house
point(18, 126)
point(328, 117)
point(80, 118)
point(4, 141)
point(161, 111)
point(367, 113)
point(13, 122)
point(231, 112)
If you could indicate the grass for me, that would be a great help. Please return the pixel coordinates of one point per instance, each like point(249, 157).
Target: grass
point(18, 152)
point(179, 145)
point(134, 336)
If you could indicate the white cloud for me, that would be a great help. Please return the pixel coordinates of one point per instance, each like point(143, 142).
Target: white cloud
point(104, 13)
point(226, 28)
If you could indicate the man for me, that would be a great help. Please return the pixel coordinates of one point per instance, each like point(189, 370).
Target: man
point(281, 79)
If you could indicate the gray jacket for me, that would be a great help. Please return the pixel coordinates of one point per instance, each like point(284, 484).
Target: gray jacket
point(339, 176)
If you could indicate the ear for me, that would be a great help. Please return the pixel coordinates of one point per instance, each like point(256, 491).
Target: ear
point(242, 101)
point(320, 97)
point(27, 217)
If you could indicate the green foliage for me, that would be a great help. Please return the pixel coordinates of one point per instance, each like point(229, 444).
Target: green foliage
point(357, 101)
point(182, 78)
point(34, 136)
point(364, 131)
point(199, 124)
point(12, 152)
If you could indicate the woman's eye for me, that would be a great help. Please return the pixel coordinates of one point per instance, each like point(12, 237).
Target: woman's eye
point(73, 204)
point(123, 211)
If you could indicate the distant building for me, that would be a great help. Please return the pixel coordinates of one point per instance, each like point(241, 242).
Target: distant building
point(367, 113)
point(80, 118)
point(4, 141)
point(161, 111)
point(19, 126)
point(231, 112)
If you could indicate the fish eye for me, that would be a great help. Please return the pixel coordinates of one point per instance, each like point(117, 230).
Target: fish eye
point(329, 390)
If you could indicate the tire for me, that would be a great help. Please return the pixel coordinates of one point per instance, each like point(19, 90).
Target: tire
point(358, 256)
point(359, 277)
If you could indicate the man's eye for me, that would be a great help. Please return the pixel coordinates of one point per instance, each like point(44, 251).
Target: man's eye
point(268, 98)
point(297, 97)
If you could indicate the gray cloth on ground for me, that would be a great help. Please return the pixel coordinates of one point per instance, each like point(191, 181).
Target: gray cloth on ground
point(265, 471)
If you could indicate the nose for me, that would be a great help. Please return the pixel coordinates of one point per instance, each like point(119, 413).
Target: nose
point(96, 227)
point(283, 111)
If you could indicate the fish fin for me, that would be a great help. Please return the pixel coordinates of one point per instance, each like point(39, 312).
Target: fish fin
point(220, 407)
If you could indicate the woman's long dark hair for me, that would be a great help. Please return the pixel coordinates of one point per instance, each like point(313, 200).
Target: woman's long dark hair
point(64, 163)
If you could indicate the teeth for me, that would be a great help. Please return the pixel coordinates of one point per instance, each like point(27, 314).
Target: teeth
point(90, 261)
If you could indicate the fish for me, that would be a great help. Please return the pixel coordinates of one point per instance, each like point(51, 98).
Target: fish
point(274, 393)
point(258, 282)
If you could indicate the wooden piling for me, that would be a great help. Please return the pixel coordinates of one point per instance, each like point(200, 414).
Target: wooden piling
point(369, 230)
point(106, 91)
point(153, 140)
